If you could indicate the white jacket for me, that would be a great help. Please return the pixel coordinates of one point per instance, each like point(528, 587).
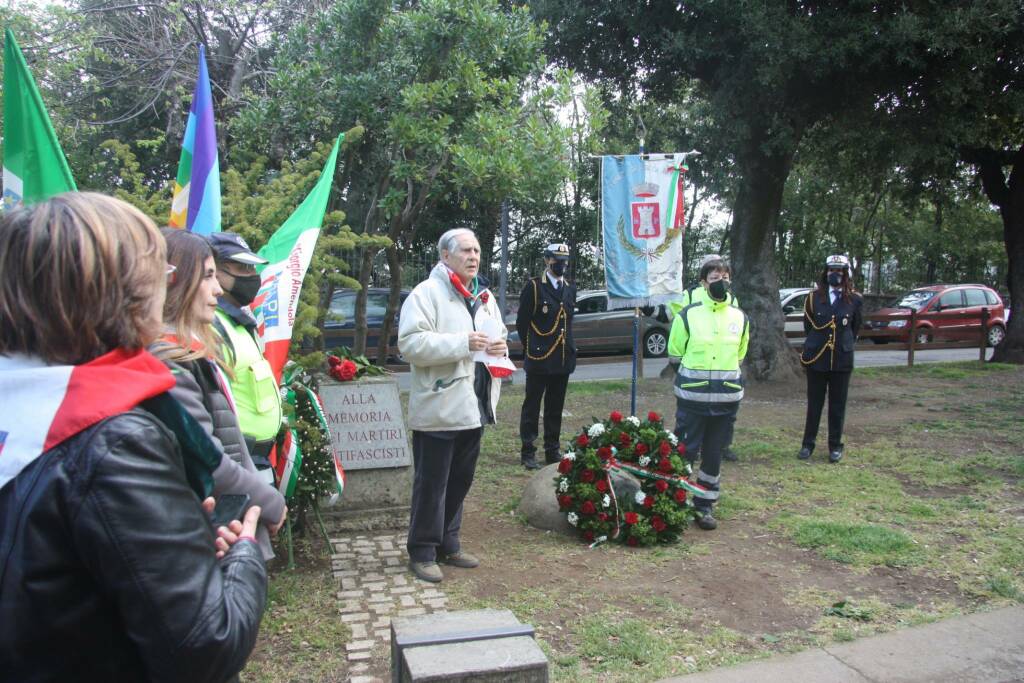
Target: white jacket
point(433, 336)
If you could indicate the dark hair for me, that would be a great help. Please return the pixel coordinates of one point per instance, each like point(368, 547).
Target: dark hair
point(187, 251)
point(713, 265)
point(79, 273)
point(824, 287)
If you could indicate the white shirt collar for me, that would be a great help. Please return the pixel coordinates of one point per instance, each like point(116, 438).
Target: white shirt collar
point(555, 281)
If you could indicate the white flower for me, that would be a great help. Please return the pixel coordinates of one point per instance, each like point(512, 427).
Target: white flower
point(568, 455)
point(572, 518)
point(563, 485)
point(640, 497)
point(671, 438)
point(596, 430)
point(644, 460)
point(633, 420)
point(607, 500)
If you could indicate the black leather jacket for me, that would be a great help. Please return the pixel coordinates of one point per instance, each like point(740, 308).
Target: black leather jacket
point(107, 567)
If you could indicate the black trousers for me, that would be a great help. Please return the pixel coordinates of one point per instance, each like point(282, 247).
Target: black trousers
point(837, 384)
point(445, 463)
point(552, 389)
point(712, 434)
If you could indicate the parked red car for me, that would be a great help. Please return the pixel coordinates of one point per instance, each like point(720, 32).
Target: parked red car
point(933, 303)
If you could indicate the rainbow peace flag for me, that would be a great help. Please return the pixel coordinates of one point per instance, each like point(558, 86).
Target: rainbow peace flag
point(196, 204)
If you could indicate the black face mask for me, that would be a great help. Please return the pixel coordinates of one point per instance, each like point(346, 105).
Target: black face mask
point(719, 290)
point(558, 268)
point(245, 289)
point(835, 279)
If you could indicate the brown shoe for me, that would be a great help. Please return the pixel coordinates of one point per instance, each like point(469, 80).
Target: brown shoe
point(428, 571)
point(461, 559)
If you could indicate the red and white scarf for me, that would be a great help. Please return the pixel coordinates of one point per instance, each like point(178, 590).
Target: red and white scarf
point(44, 405)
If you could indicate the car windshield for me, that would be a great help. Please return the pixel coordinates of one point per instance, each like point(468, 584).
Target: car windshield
point(916, 300)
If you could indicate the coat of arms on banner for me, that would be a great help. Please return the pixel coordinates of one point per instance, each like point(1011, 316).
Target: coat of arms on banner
point(643, 260)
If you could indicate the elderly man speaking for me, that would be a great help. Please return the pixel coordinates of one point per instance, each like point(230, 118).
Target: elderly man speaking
point(443, 333)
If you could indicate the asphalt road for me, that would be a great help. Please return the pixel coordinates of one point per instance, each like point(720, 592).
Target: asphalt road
point(590, 370)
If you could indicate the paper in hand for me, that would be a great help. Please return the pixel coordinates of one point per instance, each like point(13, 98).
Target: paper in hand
point(498, 366)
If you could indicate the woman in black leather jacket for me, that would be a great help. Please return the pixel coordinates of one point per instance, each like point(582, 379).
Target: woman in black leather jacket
point(190, 347)
point(109, 568)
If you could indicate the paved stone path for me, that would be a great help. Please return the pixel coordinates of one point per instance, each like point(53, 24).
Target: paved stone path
point(376, 585)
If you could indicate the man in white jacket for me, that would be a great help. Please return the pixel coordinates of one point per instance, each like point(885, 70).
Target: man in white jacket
point(451, 397)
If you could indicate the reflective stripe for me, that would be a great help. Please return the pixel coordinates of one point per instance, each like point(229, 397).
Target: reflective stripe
point(707, 397)
point(707, 495)
point(703, 476)
point(690, 373)
point(694, 385)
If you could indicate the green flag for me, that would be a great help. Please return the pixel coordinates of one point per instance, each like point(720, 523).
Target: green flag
point(34, 165)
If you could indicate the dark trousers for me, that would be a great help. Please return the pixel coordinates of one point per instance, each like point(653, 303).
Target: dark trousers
point(552, 389)
point(837, 384)
point(712, 435)
point(444, 466)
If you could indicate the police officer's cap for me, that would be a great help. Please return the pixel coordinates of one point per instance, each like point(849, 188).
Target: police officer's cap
point(229, 246)
point(557, 251)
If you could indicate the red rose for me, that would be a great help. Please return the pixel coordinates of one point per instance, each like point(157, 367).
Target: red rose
point(658, 523)
point(582, 440)
point(333, 361)
point(616, 416)
point(649, 502)
point(661, 485)
point(588, 536)
point(665, 465)
point(587, 476)
point(565, 466)
point(681, 449)
point(588, 508)
point(631, 541)
point(347, 370)
point(632, 518)
point(564, 501)
point(603, 516)
point(680, 496)
point(665, 448)
point(602, 485)
point(624, 439)
point(604, 452)
point(484, 296)
point(653, 417)
point(641, 448)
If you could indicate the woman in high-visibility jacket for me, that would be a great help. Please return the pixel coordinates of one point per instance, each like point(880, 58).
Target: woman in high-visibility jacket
point(710, 337)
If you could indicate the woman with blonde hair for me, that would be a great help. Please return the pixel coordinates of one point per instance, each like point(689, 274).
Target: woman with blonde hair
point(190, 347)
point(110, 568)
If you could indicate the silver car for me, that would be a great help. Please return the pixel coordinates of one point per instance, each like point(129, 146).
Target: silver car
point(598, 330)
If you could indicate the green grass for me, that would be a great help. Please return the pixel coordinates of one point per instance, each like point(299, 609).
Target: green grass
point(858, 544)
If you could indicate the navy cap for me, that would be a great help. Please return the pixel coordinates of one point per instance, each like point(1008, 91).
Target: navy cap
point(557, 251)
point(229, 246)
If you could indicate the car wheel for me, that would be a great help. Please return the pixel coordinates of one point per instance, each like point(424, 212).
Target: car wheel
point(996, 334)
point(655, 344)
point(923, 338)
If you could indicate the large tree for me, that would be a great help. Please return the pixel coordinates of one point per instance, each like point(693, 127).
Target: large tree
point(770, 72)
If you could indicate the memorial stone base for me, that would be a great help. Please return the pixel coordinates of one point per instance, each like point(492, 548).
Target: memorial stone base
point(369, 434)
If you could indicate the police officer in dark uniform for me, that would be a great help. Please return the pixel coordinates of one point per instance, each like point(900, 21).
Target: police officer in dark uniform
point(544, 323)
point(832, 318)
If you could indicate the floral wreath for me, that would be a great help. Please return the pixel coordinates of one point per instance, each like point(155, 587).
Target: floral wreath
point(658, 512)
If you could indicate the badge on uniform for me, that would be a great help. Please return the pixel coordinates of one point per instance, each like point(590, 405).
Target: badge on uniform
point(544, 309)
point(846, 319)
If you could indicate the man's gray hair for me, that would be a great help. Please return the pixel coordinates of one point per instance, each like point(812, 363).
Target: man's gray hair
point(450, 240)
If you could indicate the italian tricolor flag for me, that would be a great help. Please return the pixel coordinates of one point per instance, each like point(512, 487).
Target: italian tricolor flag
point(289, 252)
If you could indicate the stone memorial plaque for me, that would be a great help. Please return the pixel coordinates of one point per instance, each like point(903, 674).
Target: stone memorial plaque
point(366, 422)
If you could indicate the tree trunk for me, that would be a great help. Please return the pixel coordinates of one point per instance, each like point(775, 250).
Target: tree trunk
point(763, 179)
point(394, 300)
point(365, 268)
point(1009, 197)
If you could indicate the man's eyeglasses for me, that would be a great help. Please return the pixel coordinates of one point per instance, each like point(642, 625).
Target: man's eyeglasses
point(171, 270)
